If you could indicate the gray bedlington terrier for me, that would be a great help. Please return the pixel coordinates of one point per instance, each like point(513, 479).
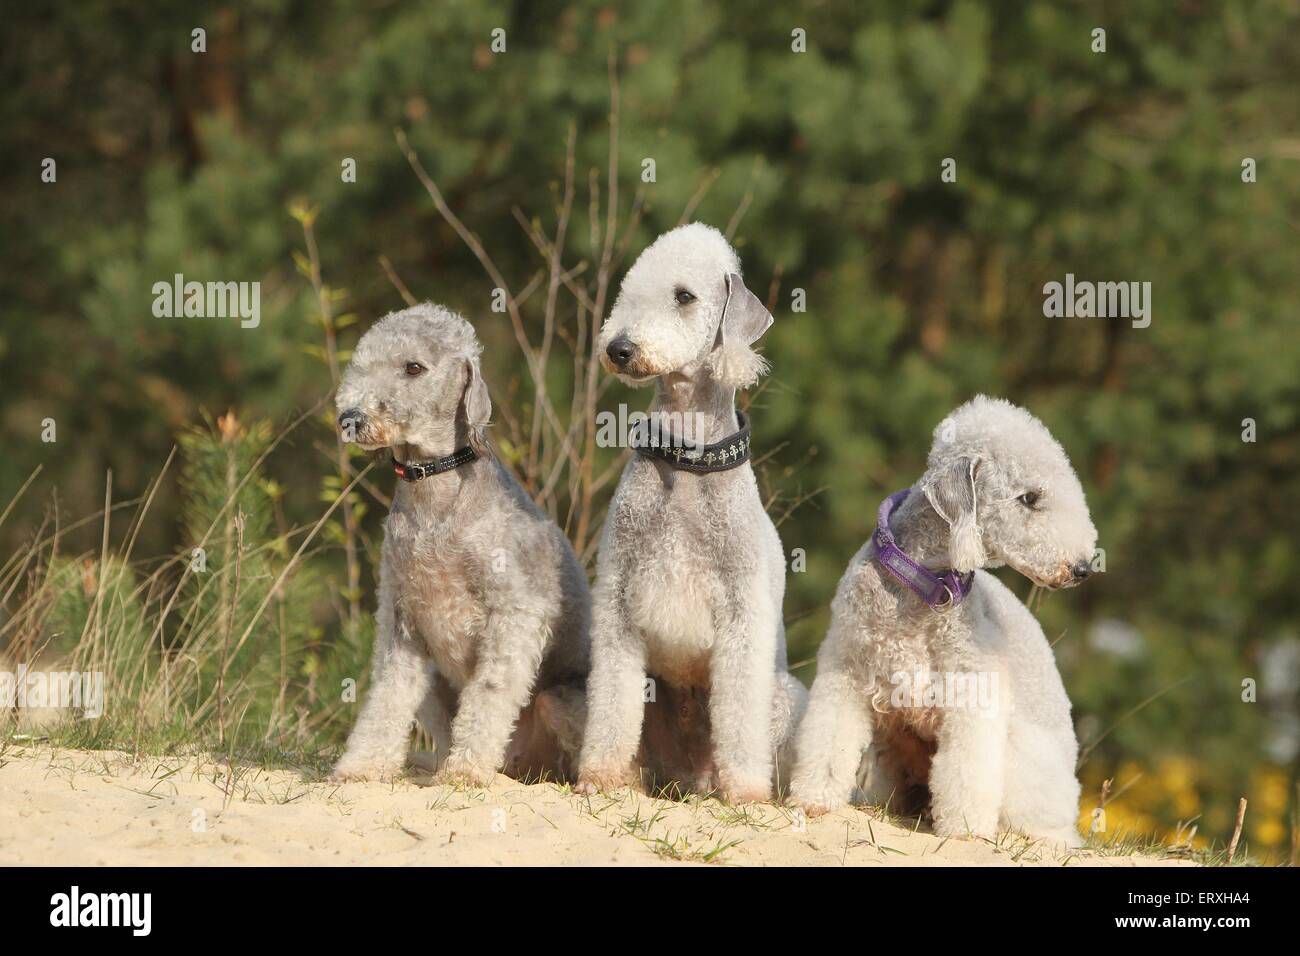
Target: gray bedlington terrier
point(484, 612)
point(933, 664)
point(691, 574)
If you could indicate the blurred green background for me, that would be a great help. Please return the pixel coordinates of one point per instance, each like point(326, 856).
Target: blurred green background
point(1117, 166)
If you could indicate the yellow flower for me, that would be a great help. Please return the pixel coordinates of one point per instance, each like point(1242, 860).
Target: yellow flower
point(1270, 789)
point(1268, 832)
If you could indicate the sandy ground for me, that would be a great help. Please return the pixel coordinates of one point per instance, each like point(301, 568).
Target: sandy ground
point(94, 808)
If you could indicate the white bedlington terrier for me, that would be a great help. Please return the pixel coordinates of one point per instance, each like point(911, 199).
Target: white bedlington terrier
point(483, 617)
point(933, 664)
point(691, 574)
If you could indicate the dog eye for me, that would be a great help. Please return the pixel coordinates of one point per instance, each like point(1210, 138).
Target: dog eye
point(1029, 499)
point(684, 296)
point(414, 368)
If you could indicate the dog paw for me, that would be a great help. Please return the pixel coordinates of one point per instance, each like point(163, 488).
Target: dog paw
point(813, 808)
point(959, 830)
point(458, 772)
point(378, 774)
point(815, 799)
point(471, 781)
point(745, 794)
point(592, 782)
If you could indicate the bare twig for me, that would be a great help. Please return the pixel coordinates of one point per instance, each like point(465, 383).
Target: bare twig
point(324, 302)
point(745, 201)
point(696, 197)
point(475, 246)
point(472, 243)
point(1236, 830)
point(1087, 751)
point(1295, 828)
point(396, 280)
point(552, 295)
point(774, 287)
point(583, 531)
point(19, 493)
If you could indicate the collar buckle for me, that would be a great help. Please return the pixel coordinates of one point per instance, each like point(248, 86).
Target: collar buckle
point(940, 590)
point(948, 603)
point(419, 470)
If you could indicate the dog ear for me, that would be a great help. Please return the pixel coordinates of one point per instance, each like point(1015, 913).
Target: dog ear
point(476, 406)
point(744, 320)
point(950, 489)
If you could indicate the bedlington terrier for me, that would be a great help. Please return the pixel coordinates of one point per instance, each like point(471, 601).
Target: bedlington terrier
point(482, 603)
point(690, 574)
point(933, 663)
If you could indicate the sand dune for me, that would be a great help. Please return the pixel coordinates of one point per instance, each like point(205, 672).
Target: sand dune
point(94, 808)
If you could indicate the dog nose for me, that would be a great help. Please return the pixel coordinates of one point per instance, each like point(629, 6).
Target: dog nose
point(1081, 570)
point(621, 351)
point(351, 421)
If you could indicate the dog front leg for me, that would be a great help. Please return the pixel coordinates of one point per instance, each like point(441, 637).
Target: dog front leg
point(789, 702)
point(434, 718)
point(615, 702)
point(832, 736)
point(743, 682)
point(509, 654)
point(399, 681)
point(966, 776)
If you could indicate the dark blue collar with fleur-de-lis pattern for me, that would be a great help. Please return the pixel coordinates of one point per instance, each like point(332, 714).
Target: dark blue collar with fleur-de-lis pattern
point(719, 456)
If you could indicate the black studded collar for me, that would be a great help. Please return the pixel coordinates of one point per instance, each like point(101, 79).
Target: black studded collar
point(415, 470)
point(722, 455)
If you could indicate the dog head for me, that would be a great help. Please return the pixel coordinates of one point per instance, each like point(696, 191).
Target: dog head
point(683, 308)
point(414, 376)
point(1009, 495)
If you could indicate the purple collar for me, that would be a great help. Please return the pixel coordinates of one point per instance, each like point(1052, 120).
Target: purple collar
point(943, 591)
